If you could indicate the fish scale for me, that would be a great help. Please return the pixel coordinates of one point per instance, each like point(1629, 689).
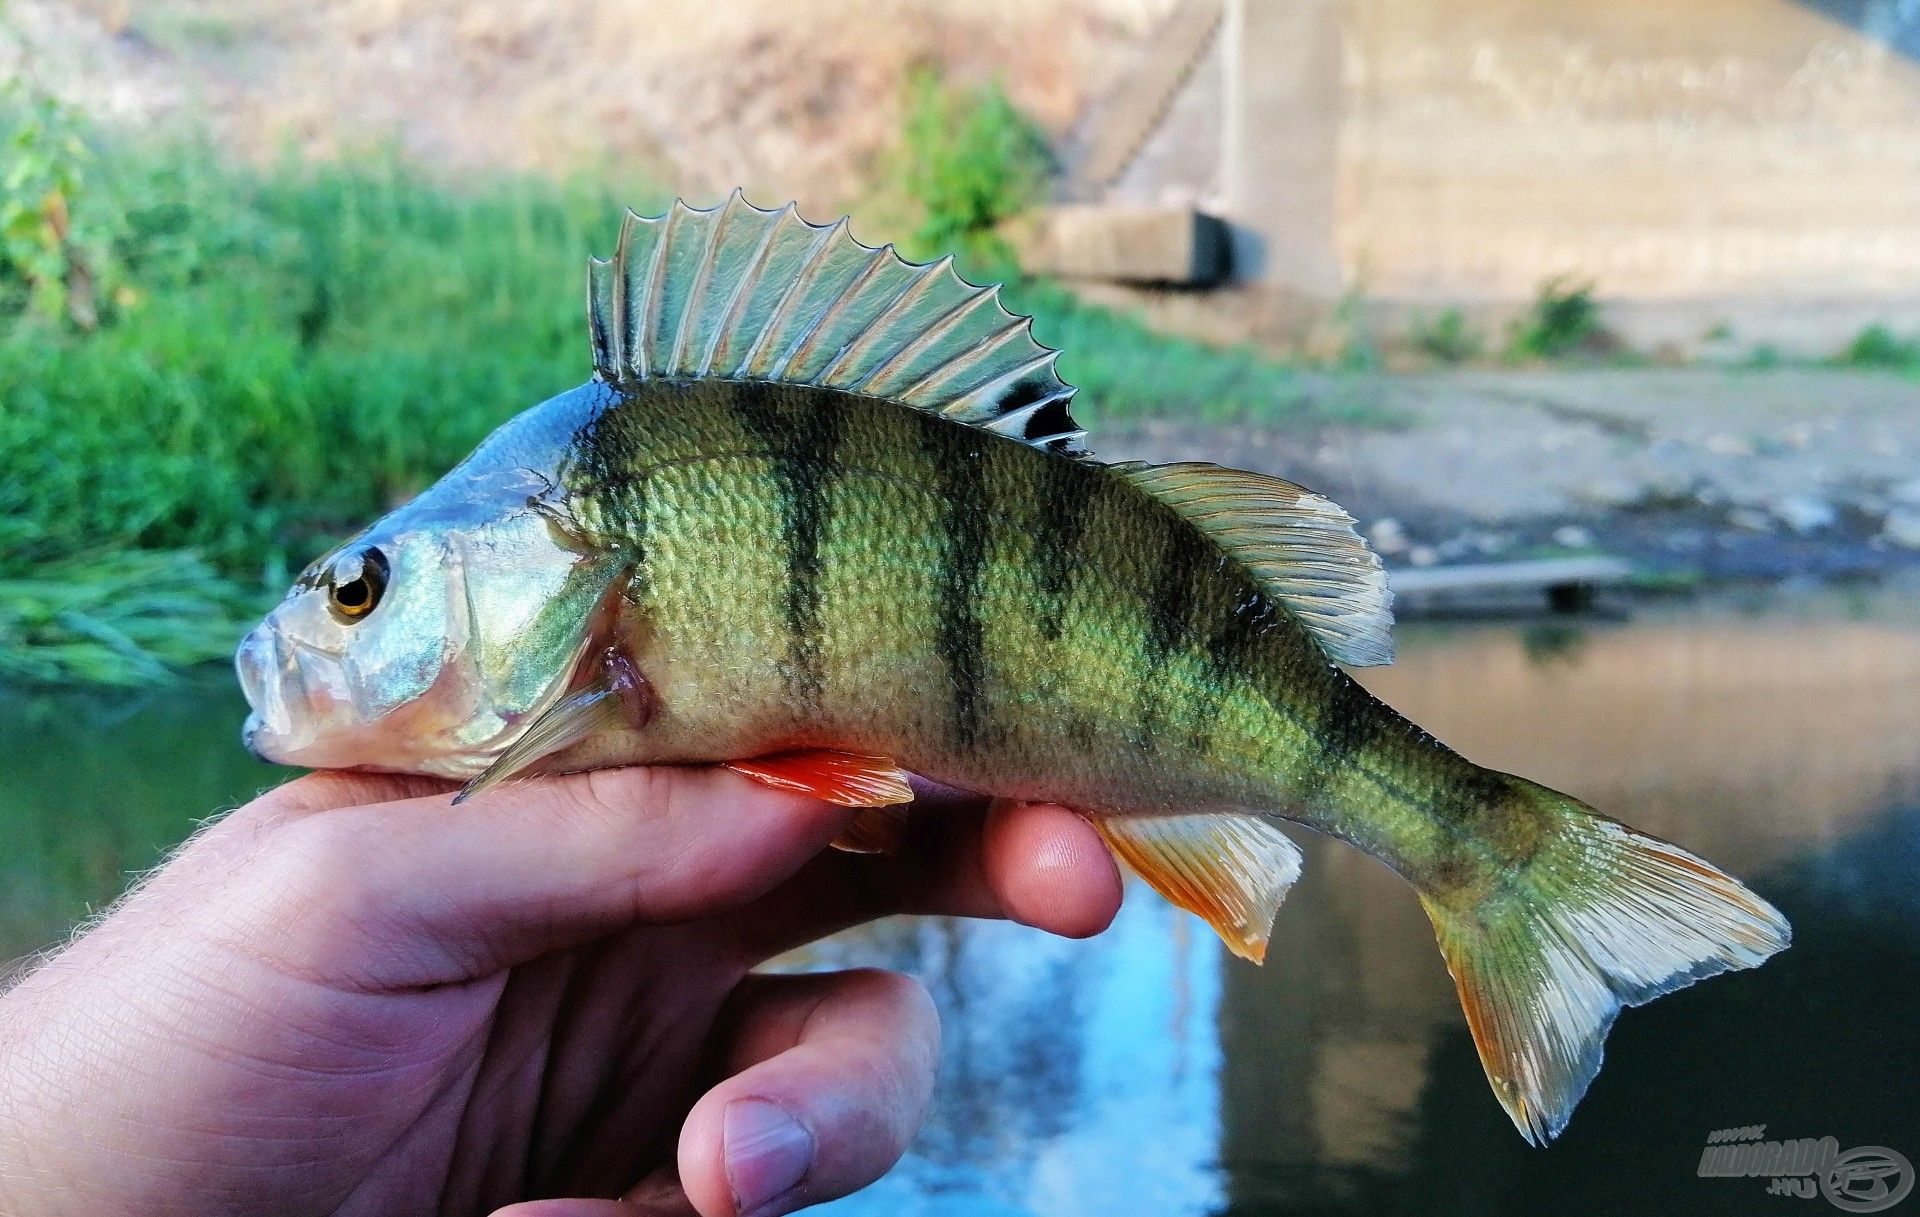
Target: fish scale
point(824, 516)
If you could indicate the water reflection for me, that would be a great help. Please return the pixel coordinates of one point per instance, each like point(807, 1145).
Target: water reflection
point(1148, 1073)
point(1077, 1078)
point(1778, 742)
point(96, 788)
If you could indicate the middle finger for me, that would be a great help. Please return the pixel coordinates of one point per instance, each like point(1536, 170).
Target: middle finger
point(1035, 863)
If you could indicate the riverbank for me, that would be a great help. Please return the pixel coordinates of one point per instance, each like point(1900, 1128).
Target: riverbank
point(1694, 477)
point(1694, 474)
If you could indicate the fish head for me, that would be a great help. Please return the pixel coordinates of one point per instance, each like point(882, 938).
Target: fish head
point(359, 666)
point(427, 643)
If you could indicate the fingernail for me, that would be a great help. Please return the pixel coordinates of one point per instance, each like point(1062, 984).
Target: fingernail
point(767, 1152)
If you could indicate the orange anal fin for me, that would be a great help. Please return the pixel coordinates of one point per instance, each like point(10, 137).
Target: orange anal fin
point(845, 779)
point(1230, 870)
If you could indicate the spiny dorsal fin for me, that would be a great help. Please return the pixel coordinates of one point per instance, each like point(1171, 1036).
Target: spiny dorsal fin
point(1301, 546)
point(739, 293)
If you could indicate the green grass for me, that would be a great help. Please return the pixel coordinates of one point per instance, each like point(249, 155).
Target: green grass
point(1878, 346)
point(967, 160)
point(1447, 336)
point(272, 357)
point(1127, 371)
point(120, 619)
point(308, 346)
point(1565, 320)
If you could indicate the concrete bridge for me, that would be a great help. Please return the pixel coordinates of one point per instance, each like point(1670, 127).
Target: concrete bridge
point(1751, 165)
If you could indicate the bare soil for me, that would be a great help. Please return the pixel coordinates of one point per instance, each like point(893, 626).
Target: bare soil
point(1783, 471)
point(786, 99)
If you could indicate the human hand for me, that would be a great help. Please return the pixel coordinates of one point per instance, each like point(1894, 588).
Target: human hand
point(348, 997)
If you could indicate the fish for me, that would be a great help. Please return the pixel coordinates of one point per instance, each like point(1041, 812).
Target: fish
point(823, 515)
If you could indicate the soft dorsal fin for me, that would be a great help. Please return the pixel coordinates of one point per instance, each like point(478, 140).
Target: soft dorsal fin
point(739, 293)
point(1301, 546)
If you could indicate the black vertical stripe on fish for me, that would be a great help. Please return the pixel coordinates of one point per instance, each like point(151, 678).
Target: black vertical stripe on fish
point(1231, 647)
point(1235, 642)
point(1342, 731)
point(598, 471)
point(1170, 599)
point(1497, 814)
point(1067, 498)
point(803, 441)
point(1170, 608)
point(960, 468)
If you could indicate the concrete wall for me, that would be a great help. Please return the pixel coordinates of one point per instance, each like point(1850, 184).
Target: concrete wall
point(1756, 161)
point(1712, 147)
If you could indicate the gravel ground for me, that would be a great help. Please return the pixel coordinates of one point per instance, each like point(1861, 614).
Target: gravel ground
point(1720, 473)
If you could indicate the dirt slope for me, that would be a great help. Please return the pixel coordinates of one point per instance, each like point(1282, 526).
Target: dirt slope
point(793, 99)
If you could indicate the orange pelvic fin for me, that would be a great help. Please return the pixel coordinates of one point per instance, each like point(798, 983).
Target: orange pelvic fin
point(1231, 870)
point(874, 830)
point(845, 779)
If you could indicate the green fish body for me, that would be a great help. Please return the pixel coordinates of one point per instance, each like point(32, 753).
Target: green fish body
point(822, 515)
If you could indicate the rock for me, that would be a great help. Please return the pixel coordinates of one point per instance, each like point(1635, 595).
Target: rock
point(1902, 528)
point(1422, 555)
point(1473, 545)
point(1130, 244)
point(1750, 518)
point(1667, 485)
point(1572, 536)
point(1866, 503)
point(1610, 492)
point(1804, 513)
point(1387, 535)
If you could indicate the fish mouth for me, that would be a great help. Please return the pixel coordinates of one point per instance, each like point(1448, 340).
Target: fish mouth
point(250, 736)
point(299, 715)
point(270, 677)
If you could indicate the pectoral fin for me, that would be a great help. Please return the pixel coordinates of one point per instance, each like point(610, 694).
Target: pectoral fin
point(1231, 870)
point(845, 779)
point(565, 723)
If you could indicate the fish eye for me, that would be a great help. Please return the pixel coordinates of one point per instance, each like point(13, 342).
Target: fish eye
point(355, 583)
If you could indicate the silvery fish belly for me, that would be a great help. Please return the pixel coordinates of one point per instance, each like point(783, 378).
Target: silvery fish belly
point(823, 516)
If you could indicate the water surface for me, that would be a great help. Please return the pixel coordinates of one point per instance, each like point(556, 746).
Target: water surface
point(1149, 1073)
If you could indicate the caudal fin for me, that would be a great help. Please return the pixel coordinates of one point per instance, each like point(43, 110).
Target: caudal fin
point(1601, 917)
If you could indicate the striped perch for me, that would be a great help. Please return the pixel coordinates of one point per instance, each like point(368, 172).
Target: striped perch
point(823, 515)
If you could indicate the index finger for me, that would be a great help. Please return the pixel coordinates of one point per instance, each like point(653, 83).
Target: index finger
point(440, 893)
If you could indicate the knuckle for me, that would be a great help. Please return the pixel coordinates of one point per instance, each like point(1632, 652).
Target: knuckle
point(322, 904)
point(312, 863)
point(613, 794)
point(895, 990)
point(242, 832)
point(905, 1002)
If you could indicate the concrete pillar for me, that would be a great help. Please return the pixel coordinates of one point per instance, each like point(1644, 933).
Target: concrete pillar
point(1282, 62)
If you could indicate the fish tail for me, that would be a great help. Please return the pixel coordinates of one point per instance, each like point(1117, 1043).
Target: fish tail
point(1599, 916)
